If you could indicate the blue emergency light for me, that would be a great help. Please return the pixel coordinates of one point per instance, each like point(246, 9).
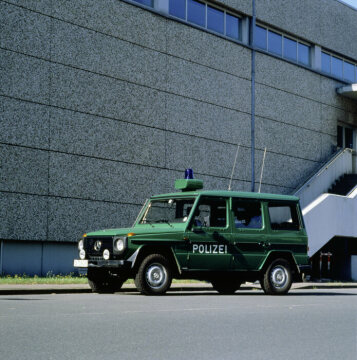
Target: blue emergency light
point(188, 174)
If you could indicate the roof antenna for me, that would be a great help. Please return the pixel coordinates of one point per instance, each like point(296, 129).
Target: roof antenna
point(234, 165)
point(261, 171)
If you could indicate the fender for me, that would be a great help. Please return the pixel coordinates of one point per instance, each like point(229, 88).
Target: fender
point(273, 254)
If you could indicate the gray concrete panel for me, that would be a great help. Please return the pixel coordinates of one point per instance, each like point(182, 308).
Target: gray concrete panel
point(207, 156)
point(23, 170)
point(330, 97)
point(96, 179)
point(104, 54)
point(69, 219)
point(43, 6)
point(208, 85)
point(115, 18)
point(283, 171)
point(244, 6)
point(22, 258)
point(199, 46)
point(325, 22)
point(58, 258)
point(205, 120)
point(24, 31)
point(83, 134)
point(24, 77)
point(287, 139)
point(24, 123)
point(283, 75)
point(23, 217)
point(288, 108)
point(101, 95)
point(328, 146)
point(330, 115)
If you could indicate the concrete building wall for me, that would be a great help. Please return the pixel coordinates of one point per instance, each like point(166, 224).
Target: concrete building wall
point(104, 104)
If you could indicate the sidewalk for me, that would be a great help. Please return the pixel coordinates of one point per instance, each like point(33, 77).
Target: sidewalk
point(202, 286)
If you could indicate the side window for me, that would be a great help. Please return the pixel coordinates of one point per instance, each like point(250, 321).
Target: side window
point(211, 213)
point(283, 217)
point(247, 214)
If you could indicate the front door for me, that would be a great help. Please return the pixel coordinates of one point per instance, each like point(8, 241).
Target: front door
point(208, 235)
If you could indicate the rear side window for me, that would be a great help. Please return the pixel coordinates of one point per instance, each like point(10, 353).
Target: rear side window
point(247, 214)
point(283, 217)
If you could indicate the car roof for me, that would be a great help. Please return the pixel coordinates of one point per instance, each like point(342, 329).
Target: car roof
point(226, 193)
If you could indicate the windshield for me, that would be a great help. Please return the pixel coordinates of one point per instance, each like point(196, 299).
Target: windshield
point(167, 211)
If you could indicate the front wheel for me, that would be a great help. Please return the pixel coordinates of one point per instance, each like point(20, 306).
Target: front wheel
point(277, 278)
point(154, 275)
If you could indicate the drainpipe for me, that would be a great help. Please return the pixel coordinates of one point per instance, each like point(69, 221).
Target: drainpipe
point(252, 125)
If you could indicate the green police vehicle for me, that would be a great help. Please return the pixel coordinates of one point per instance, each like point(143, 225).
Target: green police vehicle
point(223, 237)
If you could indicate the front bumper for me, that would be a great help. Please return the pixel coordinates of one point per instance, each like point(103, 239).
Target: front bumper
point(102, 264)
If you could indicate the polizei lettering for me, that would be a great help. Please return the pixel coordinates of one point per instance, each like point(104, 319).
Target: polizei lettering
point(209, 249)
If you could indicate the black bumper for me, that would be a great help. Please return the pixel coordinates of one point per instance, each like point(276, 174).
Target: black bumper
point(305, 269)
point(122, 264)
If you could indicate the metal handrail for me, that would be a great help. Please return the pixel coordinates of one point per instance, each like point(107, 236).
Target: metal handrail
point(322, 169)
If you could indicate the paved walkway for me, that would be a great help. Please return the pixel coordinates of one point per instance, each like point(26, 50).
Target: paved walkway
point(201, 286)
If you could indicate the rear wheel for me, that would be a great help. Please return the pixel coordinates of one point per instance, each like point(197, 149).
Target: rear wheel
point(277, 278)
point(154, 275)
point(226, 286)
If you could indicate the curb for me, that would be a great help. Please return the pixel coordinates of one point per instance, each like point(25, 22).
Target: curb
point(196, 287)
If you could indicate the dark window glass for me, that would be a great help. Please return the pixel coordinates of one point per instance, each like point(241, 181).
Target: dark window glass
point(260, 38)
point(290, 49)
point(325, 62)
point(283, 217)
point(232, 26)
point(211, 213)
point(215, 19)
point(304, 54)
point(339, 136)
point(348, 138)
point(336, 67)
point(349, 71)
point(247, 214)
point(196, 12)
point(145, 2)
point(274, 43)
point(177, 8)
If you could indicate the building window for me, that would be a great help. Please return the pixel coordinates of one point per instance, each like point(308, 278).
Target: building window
point(196, 12)
point(215, 19)
point(207, 16)
point(281, 45)
point(290, 49)
point(345, 137)
point(274, 43)
point(177, 8)
point(145, 2)
point(338, 67)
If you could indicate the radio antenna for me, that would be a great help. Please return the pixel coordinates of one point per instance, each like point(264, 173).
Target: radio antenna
point(261, 172)
point(234, 166)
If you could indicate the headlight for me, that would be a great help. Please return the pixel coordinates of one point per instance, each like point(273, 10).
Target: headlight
point(106, 254)
point(119, 244)
point(80, 245)
point(82, 254)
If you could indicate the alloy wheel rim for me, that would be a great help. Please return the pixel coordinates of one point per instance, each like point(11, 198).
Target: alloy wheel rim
point(156, 275)
point(279, 277)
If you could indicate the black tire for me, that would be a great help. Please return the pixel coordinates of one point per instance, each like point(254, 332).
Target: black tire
point(154, 275)
point(226, 286)
point(104, 282)
point(277, 278)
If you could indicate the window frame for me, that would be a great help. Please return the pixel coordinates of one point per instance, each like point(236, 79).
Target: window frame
point(290, 204)
point(245, 200)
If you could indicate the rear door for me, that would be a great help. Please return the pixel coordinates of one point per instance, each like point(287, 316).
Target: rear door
point(248, 234)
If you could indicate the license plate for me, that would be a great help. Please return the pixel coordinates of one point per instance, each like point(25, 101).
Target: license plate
point(80, 263)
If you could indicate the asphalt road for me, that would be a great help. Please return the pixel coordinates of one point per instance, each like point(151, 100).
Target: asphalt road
point(306, 324)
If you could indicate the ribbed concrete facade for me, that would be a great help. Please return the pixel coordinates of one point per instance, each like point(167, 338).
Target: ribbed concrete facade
point(106, 103)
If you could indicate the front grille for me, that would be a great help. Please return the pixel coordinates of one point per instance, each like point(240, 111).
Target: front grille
point(107, 243)
point(96, 258)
